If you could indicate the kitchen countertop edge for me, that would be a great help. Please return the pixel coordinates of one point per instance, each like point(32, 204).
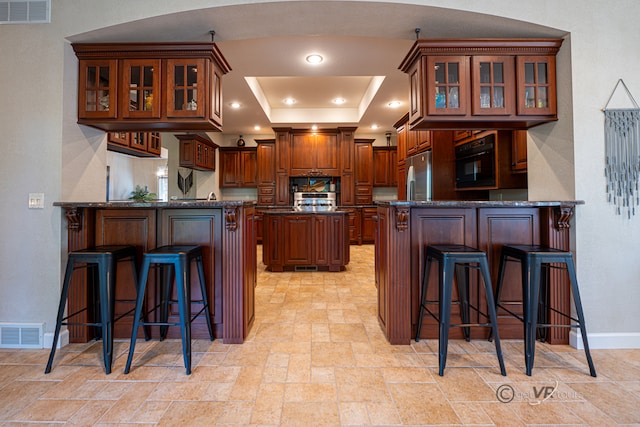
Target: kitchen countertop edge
point(482, 203)
point(168, 204)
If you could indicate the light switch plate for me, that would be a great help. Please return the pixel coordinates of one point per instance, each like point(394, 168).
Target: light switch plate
point(36, 200)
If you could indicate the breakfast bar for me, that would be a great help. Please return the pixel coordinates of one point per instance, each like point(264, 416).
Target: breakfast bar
point(224, 229)
point(406, 228)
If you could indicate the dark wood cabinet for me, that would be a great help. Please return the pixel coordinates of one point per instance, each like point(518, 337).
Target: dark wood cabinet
point(197, 152)
point(354, 218)
point(238, 167)
point(150, 86)
point(305, 241)
point(502, 83)
point(363, 171)
point(368, 225)
point(139, 144)
point(385, 167)
point(314, 154)
point(519, 151)
point(266, 171)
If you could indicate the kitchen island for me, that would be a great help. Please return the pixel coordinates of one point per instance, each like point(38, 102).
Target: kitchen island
point(224, 229)
point(299, 240)
point(406, 228)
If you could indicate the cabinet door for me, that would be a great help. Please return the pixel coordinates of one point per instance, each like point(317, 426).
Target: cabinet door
point(368, 224)
point(447, 85)
point(327, 154)
point(423, 140)
point(417, 81)
point(185, 87)
point(299, 249)
point(303, 156)
point(215, 85)
point(154, 142)
point(537, 85)
point(139, 96)
point(119, 138)
point(321, 239)
point(393, 168)
point(266, 163)
point(519, 151)
point(247, 168)
point(493, 85)
point(97, 89)
point(138, 141)
point(381, 166)
point(412, 143)
point(229, 168)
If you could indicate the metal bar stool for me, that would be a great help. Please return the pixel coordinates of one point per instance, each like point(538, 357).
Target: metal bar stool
point(535, 287)
point(102, 261)
point(178, 259)
point(461, 258)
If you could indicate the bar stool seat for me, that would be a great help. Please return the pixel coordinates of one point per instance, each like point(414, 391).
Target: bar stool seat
point(178, 259)
point(461, 258)
point(535, 288)
point(102, 261)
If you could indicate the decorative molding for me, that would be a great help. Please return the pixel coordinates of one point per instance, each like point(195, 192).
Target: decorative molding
point(402, 218)
point(562, 217)
point(231, 218)
point(74, 218)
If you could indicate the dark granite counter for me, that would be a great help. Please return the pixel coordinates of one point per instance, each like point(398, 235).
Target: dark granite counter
point(124, 204)
point(482, 203)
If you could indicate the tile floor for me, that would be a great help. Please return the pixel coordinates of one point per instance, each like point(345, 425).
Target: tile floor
point(316, 356)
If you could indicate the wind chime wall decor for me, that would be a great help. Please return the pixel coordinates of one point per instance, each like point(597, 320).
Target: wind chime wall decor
point(622, 154)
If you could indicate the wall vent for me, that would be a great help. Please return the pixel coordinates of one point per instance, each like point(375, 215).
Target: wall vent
point(25, 11)
point(26, 335)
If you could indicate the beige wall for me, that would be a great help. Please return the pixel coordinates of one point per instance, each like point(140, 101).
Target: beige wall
point(44, 150)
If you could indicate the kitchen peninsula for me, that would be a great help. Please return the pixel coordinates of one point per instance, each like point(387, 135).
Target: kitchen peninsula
point(405, 229)
point(224, 229)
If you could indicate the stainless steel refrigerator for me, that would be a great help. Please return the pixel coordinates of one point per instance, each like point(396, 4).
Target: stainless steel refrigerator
point(419, 177)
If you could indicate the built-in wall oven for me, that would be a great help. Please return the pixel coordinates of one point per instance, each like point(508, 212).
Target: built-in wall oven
point(476, 163)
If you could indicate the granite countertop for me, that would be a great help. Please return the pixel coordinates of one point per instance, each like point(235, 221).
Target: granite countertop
point(169, 204)
point(482, 203)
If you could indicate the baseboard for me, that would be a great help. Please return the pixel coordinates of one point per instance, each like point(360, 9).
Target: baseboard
point(63, 339)
point(606, 340)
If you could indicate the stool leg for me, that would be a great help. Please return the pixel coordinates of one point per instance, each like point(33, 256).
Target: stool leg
point(531, 293)
point(136, 282)
point(205, 299)
point(106, 285)
point(462, 277)
point(543, 302)
point(61, 306)
point(501, 268)
point(182, 281)
point(423, 299)
point(578, 304)
point(166, 271)
point(493, 317)
point(446, 283)
point(138, 313)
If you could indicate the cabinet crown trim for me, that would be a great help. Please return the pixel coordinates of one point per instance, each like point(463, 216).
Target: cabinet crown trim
point(490, 46)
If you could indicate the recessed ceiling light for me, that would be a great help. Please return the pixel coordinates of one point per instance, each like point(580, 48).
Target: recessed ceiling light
point(374, 126)
point(235, 105)
point(314, 127)
point(339, 101)
point(289, 101)
point(256, 127)
point(314, 58)
point(395, 104)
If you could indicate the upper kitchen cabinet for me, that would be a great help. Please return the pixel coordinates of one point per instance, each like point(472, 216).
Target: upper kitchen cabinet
point(139, 144)
point(197, 151)
point(314, 154)
point(481, 83)
point(238, 167)
point(150, 86)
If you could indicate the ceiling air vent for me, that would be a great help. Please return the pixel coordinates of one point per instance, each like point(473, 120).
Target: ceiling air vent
point(25, 12)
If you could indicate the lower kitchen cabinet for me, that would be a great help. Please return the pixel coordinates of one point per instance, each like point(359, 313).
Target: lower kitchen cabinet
point(305, 241)
point(368, 225)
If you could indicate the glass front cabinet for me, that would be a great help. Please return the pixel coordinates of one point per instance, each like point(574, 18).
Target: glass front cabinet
point(148, 86)
point(462, 83)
